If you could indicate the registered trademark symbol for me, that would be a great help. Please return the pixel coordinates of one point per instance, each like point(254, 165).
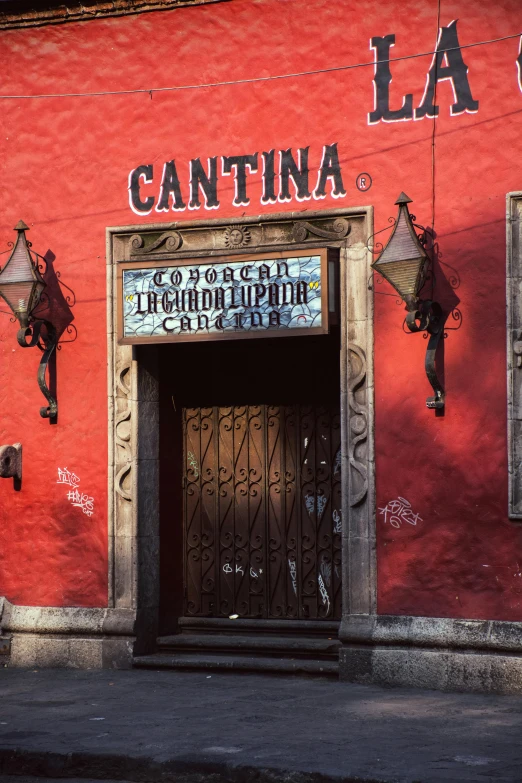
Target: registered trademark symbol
point(363, 181)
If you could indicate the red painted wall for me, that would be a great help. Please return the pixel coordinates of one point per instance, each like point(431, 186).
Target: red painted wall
point(64, 168)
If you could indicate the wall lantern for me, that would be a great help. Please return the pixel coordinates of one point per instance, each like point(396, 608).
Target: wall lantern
point(21, 286)
point(404, 263)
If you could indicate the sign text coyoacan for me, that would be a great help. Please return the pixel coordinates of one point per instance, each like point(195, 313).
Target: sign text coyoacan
point(261, 295)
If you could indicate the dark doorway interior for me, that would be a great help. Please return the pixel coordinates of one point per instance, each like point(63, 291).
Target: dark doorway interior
point(238, 556)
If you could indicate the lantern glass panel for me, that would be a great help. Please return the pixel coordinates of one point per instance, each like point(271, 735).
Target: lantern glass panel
point(20, 281)
point(17, 295)
point(403, 262)
point(403, 275)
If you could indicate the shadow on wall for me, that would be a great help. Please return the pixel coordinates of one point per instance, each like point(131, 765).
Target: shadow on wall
point(453, 552)
point(56, 302)
point(52, 317)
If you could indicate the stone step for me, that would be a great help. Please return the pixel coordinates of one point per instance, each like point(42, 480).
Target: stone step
point(229, 663)
point(261, 644)
point(242, 625)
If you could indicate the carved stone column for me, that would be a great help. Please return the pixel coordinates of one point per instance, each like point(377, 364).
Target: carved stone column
point(357, 414)
point(133, 476)
point(359, 566)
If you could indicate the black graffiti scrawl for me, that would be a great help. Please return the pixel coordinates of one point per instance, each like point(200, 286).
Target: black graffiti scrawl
point(447, 65)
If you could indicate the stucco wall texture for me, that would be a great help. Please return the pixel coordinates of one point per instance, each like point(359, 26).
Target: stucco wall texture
point(64, 170)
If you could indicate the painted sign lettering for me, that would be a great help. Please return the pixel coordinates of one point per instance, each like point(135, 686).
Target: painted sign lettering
point(283, 179)
point(447, 64)
point(288, 174)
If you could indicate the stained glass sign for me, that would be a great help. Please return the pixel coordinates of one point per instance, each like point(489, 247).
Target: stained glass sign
point(231, 297)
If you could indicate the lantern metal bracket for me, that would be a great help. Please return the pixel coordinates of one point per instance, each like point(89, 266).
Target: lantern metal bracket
point(429, 318)
point(43, 334)
point(25, 290)
point(406, 263)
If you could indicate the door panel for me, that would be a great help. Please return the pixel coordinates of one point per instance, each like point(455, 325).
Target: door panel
point(262, 512)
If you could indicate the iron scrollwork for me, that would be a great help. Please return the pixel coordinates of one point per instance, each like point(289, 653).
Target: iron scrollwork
point(429, 318)
point(262, 511)
point(42, 334)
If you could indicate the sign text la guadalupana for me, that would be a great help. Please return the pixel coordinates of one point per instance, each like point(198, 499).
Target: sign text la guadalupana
point(226, 298)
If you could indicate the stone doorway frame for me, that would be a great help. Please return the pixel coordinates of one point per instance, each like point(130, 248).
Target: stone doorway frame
point(133, 398)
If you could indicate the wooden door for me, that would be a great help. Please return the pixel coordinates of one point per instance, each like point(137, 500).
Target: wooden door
point(262, 512)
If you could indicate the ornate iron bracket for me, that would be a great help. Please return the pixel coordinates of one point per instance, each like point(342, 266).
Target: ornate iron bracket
point(429, 318)
point(47, 341)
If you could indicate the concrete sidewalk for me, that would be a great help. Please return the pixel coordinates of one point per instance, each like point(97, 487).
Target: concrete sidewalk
point(189, 727)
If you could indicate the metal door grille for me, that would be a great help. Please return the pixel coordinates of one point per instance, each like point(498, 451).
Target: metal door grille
point(262, 512)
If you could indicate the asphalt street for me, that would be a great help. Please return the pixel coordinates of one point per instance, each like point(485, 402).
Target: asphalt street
point(193, 727)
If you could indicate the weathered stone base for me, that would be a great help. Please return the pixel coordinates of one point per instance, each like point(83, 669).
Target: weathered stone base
point(431, 652)
point(36, 650)
point(74, 637)
point(448, 670)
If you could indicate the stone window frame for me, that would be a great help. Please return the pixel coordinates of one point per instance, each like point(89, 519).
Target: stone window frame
point(133, 400)
point(514, 351)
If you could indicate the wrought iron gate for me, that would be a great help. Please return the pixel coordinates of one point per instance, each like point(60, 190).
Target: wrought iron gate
point(262, 512)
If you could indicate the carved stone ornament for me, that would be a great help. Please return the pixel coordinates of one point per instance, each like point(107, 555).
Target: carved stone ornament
point(122, 426)
point(517, 348)
point(237, 236)
point(302, 229)
point(169, 241)
point(358, 423)
point(191, 238)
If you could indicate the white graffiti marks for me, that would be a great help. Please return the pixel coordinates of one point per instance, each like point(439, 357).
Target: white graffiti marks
point(398, 511)
point(324, 592)
point(82, 501)
point(192, 461)
point(227, 568)
point(337, 463)
point(310, 504)
point(337, 520)
point(326, 572)
point(74, 496)
point(293, 574)
point(66, 477)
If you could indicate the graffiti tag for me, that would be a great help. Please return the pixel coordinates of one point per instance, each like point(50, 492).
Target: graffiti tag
point(398, 511)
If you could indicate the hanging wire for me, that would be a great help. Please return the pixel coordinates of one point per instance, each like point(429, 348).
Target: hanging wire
point(253, 80)
point(434, 126)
